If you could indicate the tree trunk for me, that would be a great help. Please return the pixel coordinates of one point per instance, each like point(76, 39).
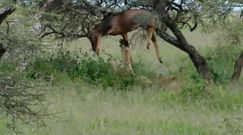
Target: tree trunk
point(180, 42)
point(2, 50)
point(238, 68)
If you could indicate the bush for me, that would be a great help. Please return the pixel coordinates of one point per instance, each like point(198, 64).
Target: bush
point(193, 85)
point(221, 62)
point(82, 66)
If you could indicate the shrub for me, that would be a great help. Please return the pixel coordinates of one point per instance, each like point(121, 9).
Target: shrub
point(194, 85)
point(221, 62)
point(82, 66)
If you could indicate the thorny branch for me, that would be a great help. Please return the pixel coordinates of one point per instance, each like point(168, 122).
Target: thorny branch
point(22, 101)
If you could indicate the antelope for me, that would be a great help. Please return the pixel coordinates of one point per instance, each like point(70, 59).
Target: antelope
point(121, 24)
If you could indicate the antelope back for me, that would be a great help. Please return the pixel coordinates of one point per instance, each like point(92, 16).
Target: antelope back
point(121, 23)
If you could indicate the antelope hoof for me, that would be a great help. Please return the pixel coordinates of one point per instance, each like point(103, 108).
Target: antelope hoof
point(160, 61)
point(147, 47)
point(130, 69)
point(132, 73)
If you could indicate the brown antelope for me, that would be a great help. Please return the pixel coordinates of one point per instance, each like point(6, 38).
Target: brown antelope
point(121, 24)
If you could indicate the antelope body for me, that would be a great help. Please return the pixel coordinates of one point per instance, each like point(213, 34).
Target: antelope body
point(121, 24)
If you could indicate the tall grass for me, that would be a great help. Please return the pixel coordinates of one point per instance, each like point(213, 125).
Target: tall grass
point(85, 109)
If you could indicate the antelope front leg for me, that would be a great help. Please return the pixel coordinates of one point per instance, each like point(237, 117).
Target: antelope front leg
point(127, 54)
point(123, 53)
point(149, 36)
point(98, 45)
point(128, 63)
point(148, 43)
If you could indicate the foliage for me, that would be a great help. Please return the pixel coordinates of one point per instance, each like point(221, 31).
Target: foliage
point(82, 66)
point(232, 32)
point(221, 62)
point(194, 88)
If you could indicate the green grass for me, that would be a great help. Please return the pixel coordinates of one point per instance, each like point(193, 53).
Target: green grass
point(82, 109)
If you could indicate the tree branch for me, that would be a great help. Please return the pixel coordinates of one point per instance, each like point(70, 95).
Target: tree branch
point(5, 12)
point(237, 68)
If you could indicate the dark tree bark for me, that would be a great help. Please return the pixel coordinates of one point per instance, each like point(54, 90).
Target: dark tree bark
point(3, 15)
point(2, 50)
point(237, 68)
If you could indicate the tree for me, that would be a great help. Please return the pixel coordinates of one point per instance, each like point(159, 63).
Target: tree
point(174, 15)
point(21, 101)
